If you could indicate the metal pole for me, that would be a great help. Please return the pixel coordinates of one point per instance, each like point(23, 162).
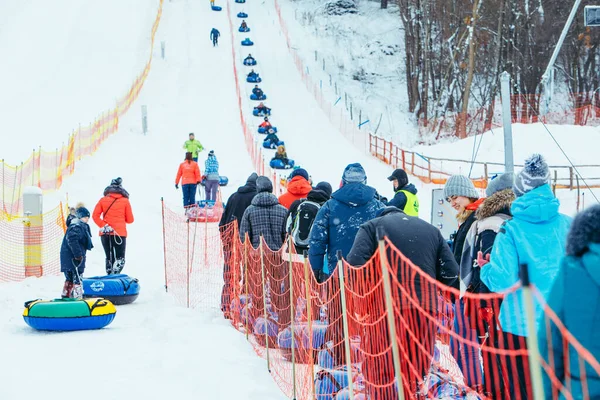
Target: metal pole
point(264, 286)
point(549, 68)
point(389, 305)
point(309, 318)
point(292, 318)
point(535, 368)
point(340, 268)
point(509, 163)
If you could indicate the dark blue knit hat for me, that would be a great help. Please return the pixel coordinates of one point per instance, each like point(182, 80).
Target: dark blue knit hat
point(82, 212)
point(299, 172)
point(354, 173)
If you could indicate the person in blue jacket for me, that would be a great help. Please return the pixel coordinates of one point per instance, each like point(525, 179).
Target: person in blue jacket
point(214, 36)
point(77, 241)
point(339, 219)
point(575, 298)
point(272, 138)
point(535, 236)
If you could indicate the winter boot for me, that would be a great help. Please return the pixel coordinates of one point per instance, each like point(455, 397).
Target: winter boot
point(118, 266)
point(67, 289)
point(77, 292)
point(109, 267)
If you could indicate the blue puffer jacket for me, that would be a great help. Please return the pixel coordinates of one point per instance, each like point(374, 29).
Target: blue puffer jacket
point(337, 223)
point(575, 298)
point(76, 242)
point(536, 236)
point(211, 168)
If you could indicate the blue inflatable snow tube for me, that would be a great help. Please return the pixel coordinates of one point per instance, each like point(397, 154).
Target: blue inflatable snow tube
point(249, 62)
point(256, 113)
point(284, 339)
point(247, 42)
point(253, 97)
point(325, 356)
point(344, 394)
point(329, 382)
point(264, 130)
point(253, 79)
point(119, 289)
point(268, 145)
point(278, 164)
point(244, 29)
point(242, 15)
point(223, 181)
point(240, 1)
point(217, 8)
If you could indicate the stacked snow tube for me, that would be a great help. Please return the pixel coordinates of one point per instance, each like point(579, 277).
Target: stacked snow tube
point(302, 341)
point(217, 8)
point(253, 79)
point(265, 329)
point(119, 289)
point(242, 15)
point(268, 145)
point(68, 314)
point(256, 113)
point(278, 164)
point(325, 356)
point(249, 62)
point(264, 130)
point(255, 97)
point(223, 181)
point(205, 211)
point(246, 29)
point(247, 42)
point(330, 382)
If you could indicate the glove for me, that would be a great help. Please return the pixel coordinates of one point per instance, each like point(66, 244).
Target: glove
point(77, 261)
point(197, 183)
point(481, 260)
point(176, 186)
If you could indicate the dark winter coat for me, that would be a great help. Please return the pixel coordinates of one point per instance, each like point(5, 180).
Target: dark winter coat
point(239, 202)
point(214, 34)
point(419, 241)
point(272, 138)
point(267, 218)
point(315, 195)
point(76, 242)
point(257, 92)
point(338, 222)
point(399, 199)
point(461, 235)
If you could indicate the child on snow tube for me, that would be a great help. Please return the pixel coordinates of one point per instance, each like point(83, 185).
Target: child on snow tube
point(272, 141)
point(242, 14)
point(265, 126)
point(281, 160)
point(261, 110)
point(249, 60)
point(253, 77)
point(257, 94)
point(244, 27)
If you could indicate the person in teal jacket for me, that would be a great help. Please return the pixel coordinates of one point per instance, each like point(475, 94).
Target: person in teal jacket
point(536, 236)
point(575, 298)
point(193, 146)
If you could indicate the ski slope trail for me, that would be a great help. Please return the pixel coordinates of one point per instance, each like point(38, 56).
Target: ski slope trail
point(154, 348)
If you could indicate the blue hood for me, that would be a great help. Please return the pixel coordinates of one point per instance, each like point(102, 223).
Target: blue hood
point(536, 206)
point(354, 194)
point(591, 261)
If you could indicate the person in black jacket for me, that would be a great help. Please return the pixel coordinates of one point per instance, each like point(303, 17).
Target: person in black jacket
point(234, 210)
point(257, 92)
point(424, 245)
point(77, 241)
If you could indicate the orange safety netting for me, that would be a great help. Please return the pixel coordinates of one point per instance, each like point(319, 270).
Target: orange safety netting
point(317, 338)
point(31, 245)
point(47, 169)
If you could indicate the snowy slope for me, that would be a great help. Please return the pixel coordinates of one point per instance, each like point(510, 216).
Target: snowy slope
point(153, 349)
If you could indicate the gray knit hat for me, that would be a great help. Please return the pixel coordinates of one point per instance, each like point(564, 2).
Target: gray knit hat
point(534, 174)
point(460, 185)
point(500, 182)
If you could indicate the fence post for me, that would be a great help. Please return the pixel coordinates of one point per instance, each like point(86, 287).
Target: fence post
point(412, 167)
point(429, 169)
point(309, 318)
point(264, 290)
point(188, 264)
point(571, 177)
point(535, 368)
point(485, 172)
point(340, 268)
point(351, 116)
point(246, 283)
point(555, 183)
point(162, 202)
point(389, 305)
point(577, 177)
point(292, 317)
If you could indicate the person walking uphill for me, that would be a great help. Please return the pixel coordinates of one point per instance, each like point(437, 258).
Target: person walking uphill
point(574, 298)
point(405, 197)
point(535, 236)
point(193, 146)
point(297, 188)
point(337, 222)
point(112, 214)
point(211, 169)
point(77, 241)
point(214, 36)
point(189, 176)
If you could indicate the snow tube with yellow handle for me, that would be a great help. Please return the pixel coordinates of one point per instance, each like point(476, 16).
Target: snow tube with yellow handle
point(68, 314)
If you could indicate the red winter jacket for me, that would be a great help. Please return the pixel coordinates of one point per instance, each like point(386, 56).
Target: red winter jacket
point(113, 210)
point(297, 188)
point(189, 171)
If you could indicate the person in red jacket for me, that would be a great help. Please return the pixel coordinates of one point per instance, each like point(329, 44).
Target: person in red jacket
point(189, 176)
point(297, 188)
point(112, 214)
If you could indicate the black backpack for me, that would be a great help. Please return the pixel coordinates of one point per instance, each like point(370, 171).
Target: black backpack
point(303, 222)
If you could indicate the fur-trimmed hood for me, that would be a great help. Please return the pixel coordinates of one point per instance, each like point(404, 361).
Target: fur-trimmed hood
point(498, 203)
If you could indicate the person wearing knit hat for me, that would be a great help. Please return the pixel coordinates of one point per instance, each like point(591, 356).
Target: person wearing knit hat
point(405, 197)
point(354, 173)
point(325, 187)
point(211, 172)
point(298, 188)
point(574, 298)
point(536, 236)
point(116, 186)
point(76, 242)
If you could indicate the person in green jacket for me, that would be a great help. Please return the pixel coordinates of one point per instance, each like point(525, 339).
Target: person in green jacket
point(193, 146)
point(405, 194)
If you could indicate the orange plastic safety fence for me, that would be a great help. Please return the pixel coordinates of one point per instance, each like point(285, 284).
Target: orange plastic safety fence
point(31, 245)
point(47, 169)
